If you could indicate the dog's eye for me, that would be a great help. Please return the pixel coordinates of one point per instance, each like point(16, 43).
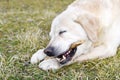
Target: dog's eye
point(61, 32)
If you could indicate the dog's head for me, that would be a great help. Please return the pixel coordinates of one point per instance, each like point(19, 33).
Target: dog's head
point(64, 35)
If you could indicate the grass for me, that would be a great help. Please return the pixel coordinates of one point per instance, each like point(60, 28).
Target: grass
point(24, 27)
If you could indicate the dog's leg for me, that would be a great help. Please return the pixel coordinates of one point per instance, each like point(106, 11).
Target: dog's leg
point(38, 56)
point(49, 64)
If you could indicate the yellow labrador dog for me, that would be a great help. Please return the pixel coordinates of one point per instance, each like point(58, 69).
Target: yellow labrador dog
point(87, 29)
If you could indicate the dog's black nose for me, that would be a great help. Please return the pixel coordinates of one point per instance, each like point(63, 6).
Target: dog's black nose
point(49, 51)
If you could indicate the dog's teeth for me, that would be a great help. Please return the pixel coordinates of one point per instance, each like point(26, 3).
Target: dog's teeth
point(68, 52)
point(64, 57)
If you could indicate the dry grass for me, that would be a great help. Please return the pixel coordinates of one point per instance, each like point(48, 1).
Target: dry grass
point(24, 27)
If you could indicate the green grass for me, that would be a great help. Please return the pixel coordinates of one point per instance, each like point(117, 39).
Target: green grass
point(24, 27)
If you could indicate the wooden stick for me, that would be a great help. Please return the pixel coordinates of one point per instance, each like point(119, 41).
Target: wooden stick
point(77, 43)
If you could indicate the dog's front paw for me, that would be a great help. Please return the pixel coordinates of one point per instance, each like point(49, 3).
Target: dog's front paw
point(50, 64)
point(38, 56)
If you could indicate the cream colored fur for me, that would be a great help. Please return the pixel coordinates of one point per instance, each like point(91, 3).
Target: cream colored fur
point(95, 21)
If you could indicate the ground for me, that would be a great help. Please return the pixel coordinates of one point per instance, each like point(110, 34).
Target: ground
point(24, 27)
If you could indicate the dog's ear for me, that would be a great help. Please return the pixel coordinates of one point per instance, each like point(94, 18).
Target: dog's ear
point(91, 26)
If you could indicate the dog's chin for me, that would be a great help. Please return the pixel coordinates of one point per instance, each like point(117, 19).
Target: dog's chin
point(66, 56)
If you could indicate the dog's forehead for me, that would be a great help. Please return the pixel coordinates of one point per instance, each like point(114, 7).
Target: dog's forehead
point(58, 26)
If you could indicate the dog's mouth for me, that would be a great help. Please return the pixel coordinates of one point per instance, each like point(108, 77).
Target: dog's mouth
point(67, 56)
